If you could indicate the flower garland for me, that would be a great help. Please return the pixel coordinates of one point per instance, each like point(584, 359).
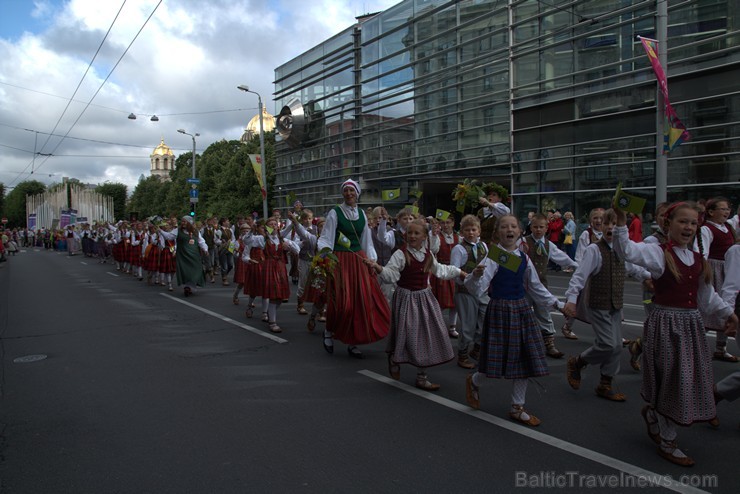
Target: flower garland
point(322, 268)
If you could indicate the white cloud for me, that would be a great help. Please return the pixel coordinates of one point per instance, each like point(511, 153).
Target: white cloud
point(188, 59)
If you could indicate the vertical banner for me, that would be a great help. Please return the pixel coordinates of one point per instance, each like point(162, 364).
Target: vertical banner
point(256, 160)
point(31, 223)
point(675, 131)
point(64, 219)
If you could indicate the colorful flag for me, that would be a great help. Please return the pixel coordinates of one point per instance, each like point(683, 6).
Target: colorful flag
point(504, 259)
point(628, 202)
point(256, 161)
point(675, 131)
point(416, 193)
point(390, 194)
point(344, 241)
point(460, 206)
point(442, 214)
point(414, 209)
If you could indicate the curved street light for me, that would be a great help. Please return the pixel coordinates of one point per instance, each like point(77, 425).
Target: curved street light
point(263, 169)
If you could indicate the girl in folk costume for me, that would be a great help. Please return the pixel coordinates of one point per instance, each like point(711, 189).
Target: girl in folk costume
point(189, 244)
point(677, 377)
point(224, 241)
point(303, 220)
point(418, 335)
point(589, 236)
point(512, 345)
point(125, 248)
point(167, 262)
point(393, 239)
point(151, 252)
point(444, 290)
point(275, 272)
point(254, 285)
point(137, 238)
point(315, 284)
point(717, 235)
point(241, 259)
point(357, 311)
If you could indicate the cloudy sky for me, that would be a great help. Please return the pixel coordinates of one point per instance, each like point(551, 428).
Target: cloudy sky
point(184, 67)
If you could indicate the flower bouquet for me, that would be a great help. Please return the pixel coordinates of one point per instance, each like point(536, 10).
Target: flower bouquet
point(467, 194)
point(322, 268)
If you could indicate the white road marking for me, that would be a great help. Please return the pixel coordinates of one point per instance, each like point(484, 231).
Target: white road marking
point(629, 469)
point(112, 274)
point(256, 331)
point(83, 262)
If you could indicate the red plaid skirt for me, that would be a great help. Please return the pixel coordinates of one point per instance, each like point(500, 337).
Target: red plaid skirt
point(276, 285)
point(253, 278)
point(151, 259)
point(167, 261)
point(444, 292)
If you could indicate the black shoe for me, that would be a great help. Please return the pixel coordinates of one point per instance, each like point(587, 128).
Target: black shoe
point(328, 347)
point(355, 352)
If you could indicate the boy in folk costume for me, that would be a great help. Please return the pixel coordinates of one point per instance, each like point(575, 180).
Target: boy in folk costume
point(471, 306)
point(492, 209)
point(591, 235)
point(541, 251)
point(383, 251)
point(208, 232)
point(606, 272)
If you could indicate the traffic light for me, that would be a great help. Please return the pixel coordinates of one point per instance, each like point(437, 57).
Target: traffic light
point(192, 209)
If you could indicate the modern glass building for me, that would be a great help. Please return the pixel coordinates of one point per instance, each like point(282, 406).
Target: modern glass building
point(556, 100)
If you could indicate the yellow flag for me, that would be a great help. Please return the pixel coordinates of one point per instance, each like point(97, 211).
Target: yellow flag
point(390, 194)
point(344, 241)
point(460, 206)
point(505, 259)
point(416, 193)
point(269, 229)
point(414, 209)
point(442, 214)
point(628, 202)
point(256, 161)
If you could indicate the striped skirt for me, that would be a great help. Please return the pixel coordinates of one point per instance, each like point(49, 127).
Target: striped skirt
point(240, 270)
point(418, 333)
point(167, 262)
point(512, 345)
point(275, 280)
point(151, 258)
point(677, 375)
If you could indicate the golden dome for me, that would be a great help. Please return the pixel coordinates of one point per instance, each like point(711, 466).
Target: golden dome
point(162, 150)
point(253, 127)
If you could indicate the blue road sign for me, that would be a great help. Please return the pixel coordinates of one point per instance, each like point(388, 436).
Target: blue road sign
point(193, 180)
point(193, 193)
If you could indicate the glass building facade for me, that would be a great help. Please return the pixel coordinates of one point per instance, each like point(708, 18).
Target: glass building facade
point(554, 100)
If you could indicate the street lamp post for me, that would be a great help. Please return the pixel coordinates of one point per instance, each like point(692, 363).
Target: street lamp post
point(182, 131)
point(194, 185)
point(263, 169)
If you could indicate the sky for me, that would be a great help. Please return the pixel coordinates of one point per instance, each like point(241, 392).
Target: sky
point(184, 66)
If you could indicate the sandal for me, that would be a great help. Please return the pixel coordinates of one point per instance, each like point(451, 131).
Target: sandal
point(422, 382)
point(248, 313)
point(684, 461)
point(274, 328)
point(265, 318)
point(635, 349)
point(654, 436)
point(568, 333)
point(302, 310)
point(311, 323)
point(235, 300)
point(471, 393)
point(393, 368)
point(724, 356)
point(328, 342)
point(452, 331)
point(517, 416)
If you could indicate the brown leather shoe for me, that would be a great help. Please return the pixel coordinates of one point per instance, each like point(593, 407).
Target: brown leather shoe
point(471, 392)
point(395, 370)
point(607, 392)
point(684, 461)
point(654, 436)
point(422, 382)
point(465, 363)
point(517, 416)
point(573, 373)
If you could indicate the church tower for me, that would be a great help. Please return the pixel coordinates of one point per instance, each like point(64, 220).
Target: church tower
point(162, 161)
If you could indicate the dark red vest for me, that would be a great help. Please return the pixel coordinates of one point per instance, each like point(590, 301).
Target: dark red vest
point(445, 249)
point(672, 293)
point(413, 276)
point(721, 242)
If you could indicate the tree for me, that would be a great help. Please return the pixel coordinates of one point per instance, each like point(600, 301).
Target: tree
point(148, 198)
point(118, 192)
point(15, 202)
point(2, 199)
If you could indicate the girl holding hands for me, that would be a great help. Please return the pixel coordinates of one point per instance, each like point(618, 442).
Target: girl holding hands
point(418, 335)
point(677, 378)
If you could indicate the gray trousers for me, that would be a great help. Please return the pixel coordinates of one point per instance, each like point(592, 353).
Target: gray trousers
point(607, 347)
point(729, 387)
point(471, 311)
point(543, 318)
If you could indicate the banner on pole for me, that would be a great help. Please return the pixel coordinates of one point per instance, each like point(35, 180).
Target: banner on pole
point(256, 161)
point(675, 131)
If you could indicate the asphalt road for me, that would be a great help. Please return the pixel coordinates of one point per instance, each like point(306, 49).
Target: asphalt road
point(143, 390)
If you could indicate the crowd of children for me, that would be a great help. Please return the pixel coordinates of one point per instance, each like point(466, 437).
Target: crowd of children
point(423, 285)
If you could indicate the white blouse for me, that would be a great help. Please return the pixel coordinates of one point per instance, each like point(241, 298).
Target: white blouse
point(392, 271)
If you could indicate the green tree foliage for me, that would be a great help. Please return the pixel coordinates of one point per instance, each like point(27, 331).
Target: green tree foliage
point(118, 192)
point(2, 199)
point(15, 202)
point(148, 198)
